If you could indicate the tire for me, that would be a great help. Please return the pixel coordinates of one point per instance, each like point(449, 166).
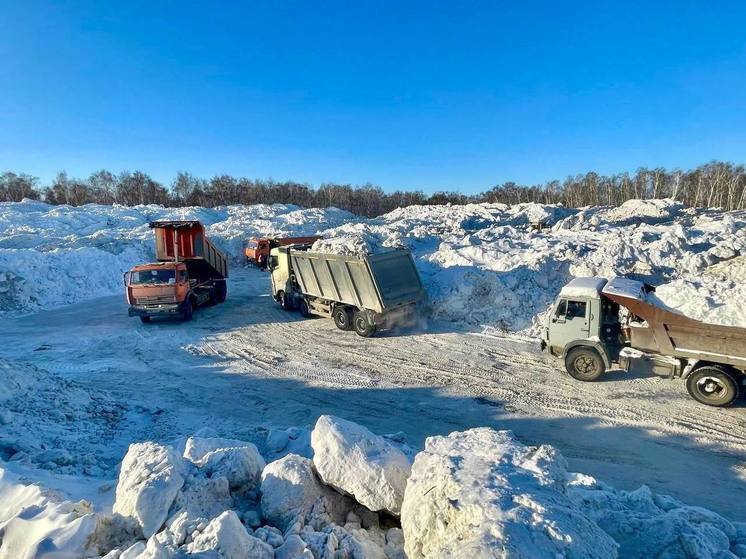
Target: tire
point(285, 302)
point(145, 319)
point(362, 326)
point(304, 310)
point(220, 291)
point(713, 386)
point(189, 310)
point(584, 363)
point(342, 317)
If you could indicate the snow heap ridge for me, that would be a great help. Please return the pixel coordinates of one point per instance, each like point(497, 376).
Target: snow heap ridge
point(476, 493)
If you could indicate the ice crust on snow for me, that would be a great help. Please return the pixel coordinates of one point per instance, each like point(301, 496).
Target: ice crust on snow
point(477, 493)
point(353, 460)
point(480, 493)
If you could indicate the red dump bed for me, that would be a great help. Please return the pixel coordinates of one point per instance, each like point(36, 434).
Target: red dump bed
point(187, 240)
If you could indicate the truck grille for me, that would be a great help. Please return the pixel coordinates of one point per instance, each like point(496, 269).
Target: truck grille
point(156, 300)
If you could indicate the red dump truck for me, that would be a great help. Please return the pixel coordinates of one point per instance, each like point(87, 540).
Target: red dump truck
point(595, 323)
point(189, 272)
point(257, 249)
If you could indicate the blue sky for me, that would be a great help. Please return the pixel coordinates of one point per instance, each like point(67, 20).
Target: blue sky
point(426, 95)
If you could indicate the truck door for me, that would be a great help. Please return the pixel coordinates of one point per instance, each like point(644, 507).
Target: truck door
point(569, 321)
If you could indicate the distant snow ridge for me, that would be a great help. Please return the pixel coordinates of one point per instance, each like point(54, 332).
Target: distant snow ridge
point(471, 494)
point(57, 255)
point(482, 264)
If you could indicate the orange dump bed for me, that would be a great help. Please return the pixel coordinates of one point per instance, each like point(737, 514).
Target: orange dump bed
point(186, 241)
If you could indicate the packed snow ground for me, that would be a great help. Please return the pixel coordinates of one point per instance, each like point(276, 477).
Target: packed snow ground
point(80, 383)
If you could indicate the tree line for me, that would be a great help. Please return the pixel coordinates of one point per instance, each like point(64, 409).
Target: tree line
point(714, 184)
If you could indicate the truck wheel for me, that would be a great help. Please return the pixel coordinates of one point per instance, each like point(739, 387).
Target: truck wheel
point(304, 310)
point(362, 326)
point(713, 386)
point(189, 310)
point(220, 292)
point(584, 363)
point(342, 317)
point(145, 319)
point(285, 302)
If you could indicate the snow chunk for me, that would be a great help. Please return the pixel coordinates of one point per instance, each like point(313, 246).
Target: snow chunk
point(481, 493)
point(239, 462)
point(149, 481)
point(648, 525)
point(353, 460)
point(228, 536)
point(291, 490)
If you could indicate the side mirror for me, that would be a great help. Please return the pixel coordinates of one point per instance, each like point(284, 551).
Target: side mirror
point(126, 278)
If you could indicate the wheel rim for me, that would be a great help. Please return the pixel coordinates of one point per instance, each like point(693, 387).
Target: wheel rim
point(711, 387)
point(360, 325)
point(342, 318)
point(585, 365)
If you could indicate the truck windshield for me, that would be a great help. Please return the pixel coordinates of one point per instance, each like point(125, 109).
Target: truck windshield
point(153, 277)
point(253, 243)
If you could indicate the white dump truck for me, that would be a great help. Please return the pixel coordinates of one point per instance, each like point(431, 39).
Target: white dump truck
point(595, 323)
point(361, 293)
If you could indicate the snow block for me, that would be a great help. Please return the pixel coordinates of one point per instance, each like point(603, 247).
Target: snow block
point(481, 493)
point(645, 524)
point(150, 478)
point(356, 462)
point(226, 535)
point(291, 491)
point(239, 462)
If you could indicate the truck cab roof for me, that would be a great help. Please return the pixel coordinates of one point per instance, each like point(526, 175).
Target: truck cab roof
point(156, 265)
point(584, 287)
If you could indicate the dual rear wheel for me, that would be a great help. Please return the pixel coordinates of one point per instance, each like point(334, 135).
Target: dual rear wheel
point(347, 319)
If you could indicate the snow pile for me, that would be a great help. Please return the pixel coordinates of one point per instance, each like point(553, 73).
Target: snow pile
point(648, 525)
point(38, 407)
point(356, 462)
point(486, 264)
point(480, 493)
point(715, 296)
point(477, 493)
point(38, 524)
point(481, 263)
point(56, 255)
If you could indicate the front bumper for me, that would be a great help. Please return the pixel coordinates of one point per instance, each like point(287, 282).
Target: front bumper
point(160, 309)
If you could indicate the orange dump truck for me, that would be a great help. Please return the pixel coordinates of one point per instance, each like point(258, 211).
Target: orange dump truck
point(189, 272)
point(257, 250)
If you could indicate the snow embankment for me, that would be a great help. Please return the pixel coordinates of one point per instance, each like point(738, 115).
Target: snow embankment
point(492, 264)
point(477, 493)
point(56, 255)
point(483, 264)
